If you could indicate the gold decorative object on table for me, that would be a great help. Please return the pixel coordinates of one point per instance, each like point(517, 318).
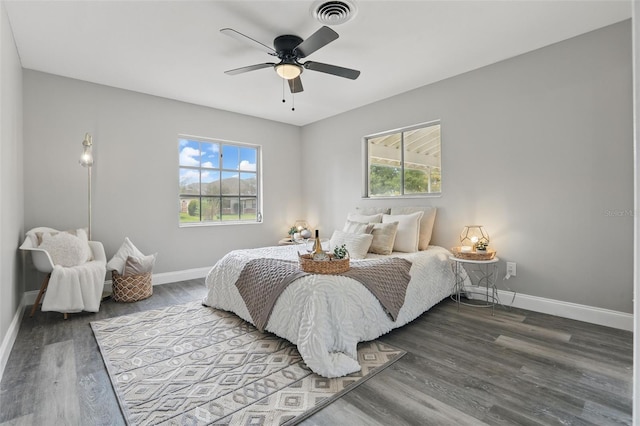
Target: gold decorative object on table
point(460, 253)
point(327, 267)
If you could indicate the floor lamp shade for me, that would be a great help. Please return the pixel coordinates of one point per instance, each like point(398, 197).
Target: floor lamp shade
point(86, 160)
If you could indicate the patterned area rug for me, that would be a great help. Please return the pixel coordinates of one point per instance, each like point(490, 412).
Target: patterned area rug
point(190, 364)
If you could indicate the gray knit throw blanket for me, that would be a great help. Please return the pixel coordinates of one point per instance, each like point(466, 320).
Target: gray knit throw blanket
point(263, 280)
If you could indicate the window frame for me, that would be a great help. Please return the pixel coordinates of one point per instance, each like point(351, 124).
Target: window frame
point(365, 163)
point(221, 196)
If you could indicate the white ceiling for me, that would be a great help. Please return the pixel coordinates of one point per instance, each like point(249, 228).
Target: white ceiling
point(174, 49)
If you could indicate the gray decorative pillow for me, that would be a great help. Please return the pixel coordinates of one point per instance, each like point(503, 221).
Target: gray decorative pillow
point(357, 244)
point(65, 249)
point(139, 265)
point(384, 235)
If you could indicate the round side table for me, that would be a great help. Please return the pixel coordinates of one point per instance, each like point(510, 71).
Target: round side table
point(486, 274)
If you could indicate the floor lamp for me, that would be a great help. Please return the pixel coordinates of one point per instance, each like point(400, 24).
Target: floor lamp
point(87, 161)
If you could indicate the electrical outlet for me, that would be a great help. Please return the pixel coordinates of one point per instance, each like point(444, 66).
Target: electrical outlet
point(511, 268)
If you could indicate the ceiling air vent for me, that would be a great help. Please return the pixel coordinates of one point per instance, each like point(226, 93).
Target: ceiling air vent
point(333, 12)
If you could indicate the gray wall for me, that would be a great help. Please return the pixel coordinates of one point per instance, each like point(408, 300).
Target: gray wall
point(11, 183)
point(537, 148)
point(636, 116)
point(135, 175)
point(551, 132)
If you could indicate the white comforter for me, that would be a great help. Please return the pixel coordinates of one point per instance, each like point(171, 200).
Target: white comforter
point(327, 315)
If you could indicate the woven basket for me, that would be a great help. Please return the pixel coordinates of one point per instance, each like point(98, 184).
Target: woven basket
point(328, 267)
point(473, 255)
point(131, 288)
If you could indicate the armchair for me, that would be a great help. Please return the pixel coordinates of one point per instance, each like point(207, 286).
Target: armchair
point(67, 289)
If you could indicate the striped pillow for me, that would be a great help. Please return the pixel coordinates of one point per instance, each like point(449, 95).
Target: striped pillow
point(357, 227)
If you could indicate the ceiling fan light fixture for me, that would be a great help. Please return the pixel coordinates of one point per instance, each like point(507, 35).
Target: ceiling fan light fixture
point(288, 71)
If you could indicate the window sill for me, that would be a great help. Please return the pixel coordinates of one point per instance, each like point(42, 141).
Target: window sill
point(403, 197)
point(225, 223)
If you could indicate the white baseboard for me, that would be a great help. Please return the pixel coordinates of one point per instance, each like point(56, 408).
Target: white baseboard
point(10, 337)
point(590, 314)
point(158, 279)
point(175, 276)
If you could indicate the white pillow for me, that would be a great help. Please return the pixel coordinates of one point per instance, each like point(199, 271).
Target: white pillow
point(84, 237)
point(119, 259)
point(80, 233)
point(357, 227)
point(408, 233)
point(426, 223)
point(365, 218)
point(65, 249)
point(139, 265)
point(384, 234)
point(357, 244)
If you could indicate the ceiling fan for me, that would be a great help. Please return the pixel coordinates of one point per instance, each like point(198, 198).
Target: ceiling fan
point(290, 49)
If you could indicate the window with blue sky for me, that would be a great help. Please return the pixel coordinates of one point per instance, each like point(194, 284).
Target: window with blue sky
point(219, 181)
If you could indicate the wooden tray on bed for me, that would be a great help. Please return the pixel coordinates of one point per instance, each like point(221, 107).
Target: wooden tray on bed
point(329, 267)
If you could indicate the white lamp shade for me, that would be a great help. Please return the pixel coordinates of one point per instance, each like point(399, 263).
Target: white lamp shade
point(301, 224)
point(288, 71)
point(86, 159)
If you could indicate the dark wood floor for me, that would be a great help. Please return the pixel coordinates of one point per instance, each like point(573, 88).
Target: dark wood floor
point(467, 367)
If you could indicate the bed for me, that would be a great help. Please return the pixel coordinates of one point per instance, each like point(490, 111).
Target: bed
point(327, 315)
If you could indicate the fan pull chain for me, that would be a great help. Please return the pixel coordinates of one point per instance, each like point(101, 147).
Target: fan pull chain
point(293, 102)
point(283, 101)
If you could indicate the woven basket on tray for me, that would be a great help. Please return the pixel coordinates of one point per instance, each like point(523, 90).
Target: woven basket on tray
point(487, 254)
point(332, 266)
point(131, 288)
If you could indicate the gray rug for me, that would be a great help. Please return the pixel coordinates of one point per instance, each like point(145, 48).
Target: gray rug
point(190, 364)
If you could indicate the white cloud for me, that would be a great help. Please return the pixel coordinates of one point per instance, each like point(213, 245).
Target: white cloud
point(186, 156)
point(213, 147)
point(245, 165)
point(207, 164)
point(189, 176)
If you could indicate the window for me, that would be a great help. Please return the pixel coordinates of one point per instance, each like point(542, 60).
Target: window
point(219, 182)
point(403, 162)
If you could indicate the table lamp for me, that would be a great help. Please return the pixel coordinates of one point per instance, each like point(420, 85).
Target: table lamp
point(474, 235)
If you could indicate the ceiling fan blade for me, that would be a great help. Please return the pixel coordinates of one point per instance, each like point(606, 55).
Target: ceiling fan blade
point(332, 69)
point(315, 41)
point(295, 85)
point(246, 39)
point(249, 68)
